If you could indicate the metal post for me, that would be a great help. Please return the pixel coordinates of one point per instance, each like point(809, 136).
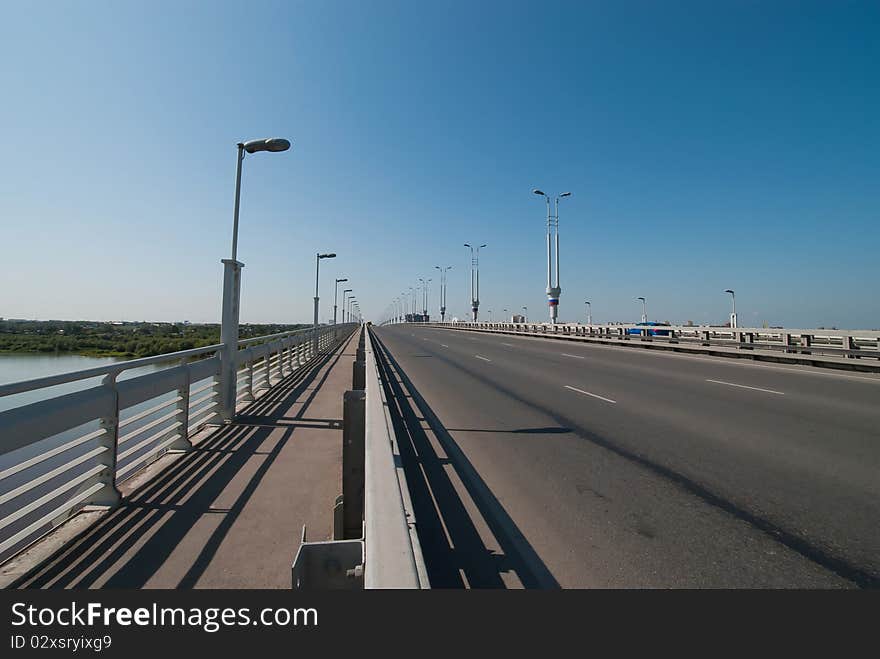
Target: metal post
point(315, 325)
point(229, 336)
point(109, 495)
point(353, 456)
point(237, 199)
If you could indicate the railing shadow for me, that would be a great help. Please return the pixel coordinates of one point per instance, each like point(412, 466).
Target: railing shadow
point(130, 544)
point(455, 554)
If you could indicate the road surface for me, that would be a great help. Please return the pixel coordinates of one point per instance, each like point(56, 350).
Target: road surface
point(545, 463)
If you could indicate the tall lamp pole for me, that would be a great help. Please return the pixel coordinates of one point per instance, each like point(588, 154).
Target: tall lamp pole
point(733, 314)
point(443, 291)
point(345, 293)
point(589, 313)
point(475, 279)
point(526, 314)
point(644, 309)
point(318, 257)
point(232, 284)
point(553, 289)
point(336, 297)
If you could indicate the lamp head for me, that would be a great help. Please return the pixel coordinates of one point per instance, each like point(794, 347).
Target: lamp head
point(540, 192)
point(273, 144)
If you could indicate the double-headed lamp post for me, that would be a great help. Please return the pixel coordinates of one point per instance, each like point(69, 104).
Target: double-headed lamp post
point(733, 313)
point(526, 314)
point(232, 284)
point(475, 279)
point(589, 313)
point(443, 291)
point(318, 257)
point(644, 309)
point(554, 290)
point(336, 297)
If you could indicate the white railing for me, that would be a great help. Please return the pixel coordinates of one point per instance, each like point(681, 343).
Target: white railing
point(71, 450)
point(393, 553)
point(820, 345)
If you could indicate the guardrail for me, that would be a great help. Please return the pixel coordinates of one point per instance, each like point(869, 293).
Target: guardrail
point(854, 349)
point(71, 450)
point(375, 541)
point(393, 556)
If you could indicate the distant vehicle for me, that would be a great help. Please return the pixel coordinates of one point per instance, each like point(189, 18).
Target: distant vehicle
point(651, 332)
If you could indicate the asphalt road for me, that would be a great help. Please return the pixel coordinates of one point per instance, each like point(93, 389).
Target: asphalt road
point(543, 463)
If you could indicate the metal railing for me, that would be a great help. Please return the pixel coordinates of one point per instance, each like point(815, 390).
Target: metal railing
point(71, 450)
point(854, 348)
point(375, 543)
point(393, 553)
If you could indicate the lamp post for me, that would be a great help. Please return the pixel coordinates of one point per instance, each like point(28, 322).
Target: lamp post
point(318, 257)
point(553, 289)
point(475, 279)
point(345, 303)
point(644, 309)
point(589, 313)
point(443, 291)
point(336, 297)
point(733, 313)
point(526, 314)
point(232, 284)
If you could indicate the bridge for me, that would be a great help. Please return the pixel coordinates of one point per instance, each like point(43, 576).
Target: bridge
point(450, 455)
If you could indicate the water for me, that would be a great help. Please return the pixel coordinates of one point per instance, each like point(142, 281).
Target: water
point(15, 367)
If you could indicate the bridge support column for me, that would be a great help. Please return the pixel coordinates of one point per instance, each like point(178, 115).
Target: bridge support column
point(229, 336)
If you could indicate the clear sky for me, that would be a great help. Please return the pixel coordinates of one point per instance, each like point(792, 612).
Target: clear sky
point(708, 145)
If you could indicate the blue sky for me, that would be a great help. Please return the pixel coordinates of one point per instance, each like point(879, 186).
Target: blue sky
point(707, 145)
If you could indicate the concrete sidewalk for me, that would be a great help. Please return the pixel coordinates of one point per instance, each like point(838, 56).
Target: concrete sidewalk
point(228, 514)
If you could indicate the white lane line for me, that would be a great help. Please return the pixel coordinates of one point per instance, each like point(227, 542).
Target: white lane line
point(743, 386)
point(565, 354)
point(509, 345)
point(483, 358)
point(587, 393)
point(443, 345)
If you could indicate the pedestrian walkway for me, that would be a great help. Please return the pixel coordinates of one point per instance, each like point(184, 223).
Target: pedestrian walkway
point(229, 513)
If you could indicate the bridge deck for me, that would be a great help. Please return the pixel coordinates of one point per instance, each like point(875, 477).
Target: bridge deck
point(228, 514)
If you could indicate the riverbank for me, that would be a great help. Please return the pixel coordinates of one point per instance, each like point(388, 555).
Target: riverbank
point(124, 340)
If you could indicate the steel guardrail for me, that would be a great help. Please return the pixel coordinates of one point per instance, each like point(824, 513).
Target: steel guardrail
point(393, 553)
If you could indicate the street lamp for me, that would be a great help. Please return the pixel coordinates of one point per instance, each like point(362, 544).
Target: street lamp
point(589, 313)
point(475, 279)
point(345, 303)
point(232, 284)
point(274, 144)
point(318, 257)
point(443, 291)
point(644, 309)
point(733, 314)
point(336, 297)
point(526, 314)
point(553, 289)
